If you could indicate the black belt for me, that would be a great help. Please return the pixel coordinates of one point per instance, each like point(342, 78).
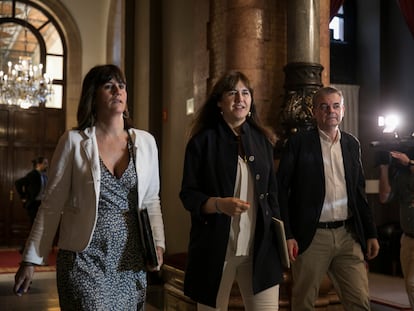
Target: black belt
point(332, 224)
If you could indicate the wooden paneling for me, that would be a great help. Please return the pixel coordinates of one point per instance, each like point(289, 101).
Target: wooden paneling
point(24, 135)
point(4, 194)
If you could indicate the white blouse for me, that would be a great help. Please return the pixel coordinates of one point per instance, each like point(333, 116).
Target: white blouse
point(243, 226)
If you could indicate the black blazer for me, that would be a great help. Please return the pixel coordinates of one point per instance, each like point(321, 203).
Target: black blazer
point(302, 187)
point(210, 169)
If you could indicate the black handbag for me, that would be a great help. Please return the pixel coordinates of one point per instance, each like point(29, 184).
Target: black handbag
point(148, 239)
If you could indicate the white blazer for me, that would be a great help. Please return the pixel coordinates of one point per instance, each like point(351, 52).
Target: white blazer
point(72, 193)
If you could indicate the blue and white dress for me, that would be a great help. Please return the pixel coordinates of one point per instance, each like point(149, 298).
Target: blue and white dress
point(110, 273)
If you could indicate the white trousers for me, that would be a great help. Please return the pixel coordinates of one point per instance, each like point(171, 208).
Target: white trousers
point(240, 268)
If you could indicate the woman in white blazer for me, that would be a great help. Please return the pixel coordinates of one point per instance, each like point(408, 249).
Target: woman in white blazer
point(102, 174)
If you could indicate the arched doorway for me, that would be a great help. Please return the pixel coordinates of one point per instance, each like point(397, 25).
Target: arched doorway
point(40, 34)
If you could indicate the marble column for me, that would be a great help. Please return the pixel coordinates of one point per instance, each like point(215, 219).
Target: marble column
point(303, 72)
point(303, 31)
point(245, 42)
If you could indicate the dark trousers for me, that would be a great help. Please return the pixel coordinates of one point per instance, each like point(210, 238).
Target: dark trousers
point(32, 207)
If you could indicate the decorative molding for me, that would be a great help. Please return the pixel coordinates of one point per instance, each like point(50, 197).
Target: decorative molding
point(302, 80)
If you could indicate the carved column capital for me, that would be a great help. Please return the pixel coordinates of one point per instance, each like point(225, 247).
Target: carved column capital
point(302, 80)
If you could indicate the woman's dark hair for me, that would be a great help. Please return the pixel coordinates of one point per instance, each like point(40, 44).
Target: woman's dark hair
point(38, 160)
point(95, 78)
point(210, 114)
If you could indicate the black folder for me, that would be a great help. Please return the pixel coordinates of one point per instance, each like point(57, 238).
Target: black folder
point(148, 239)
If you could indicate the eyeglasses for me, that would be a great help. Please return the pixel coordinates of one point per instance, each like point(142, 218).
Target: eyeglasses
point(326, 107)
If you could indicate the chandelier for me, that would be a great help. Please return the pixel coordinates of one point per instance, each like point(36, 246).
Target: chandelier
point(24, 84)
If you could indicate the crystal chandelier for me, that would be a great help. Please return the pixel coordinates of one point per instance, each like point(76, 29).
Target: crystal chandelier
point(24, 84)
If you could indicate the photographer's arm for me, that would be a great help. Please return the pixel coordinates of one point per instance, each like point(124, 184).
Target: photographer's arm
point(384, 180)
point(404, 159)
point(384, 184)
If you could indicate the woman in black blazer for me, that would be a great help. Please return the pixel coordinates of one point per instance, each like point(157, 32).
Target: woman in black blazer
point(229, 187)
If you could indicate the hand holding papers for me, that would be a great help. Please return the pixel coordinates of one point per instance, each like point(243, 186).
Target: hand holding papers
point(281, 241)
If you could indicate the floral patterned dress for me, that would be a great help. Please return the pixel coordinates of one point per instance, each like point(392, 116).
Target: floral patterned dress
point(110, 273)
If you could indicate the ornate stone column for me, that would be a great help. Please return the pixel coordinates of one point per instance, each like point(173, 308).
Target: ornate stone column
point(303, 70)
